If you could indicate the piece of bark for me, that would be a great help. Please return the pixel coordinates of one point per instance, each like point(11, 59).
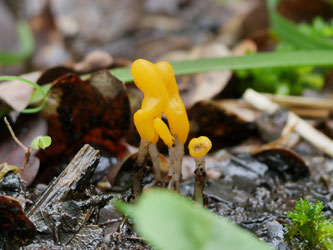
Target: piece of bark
point(62, 211)
point(74, 178)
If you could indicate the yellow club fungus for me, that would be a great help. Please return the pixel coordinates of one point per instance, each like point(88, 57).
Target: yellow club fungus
point(198, 148)
point(175, 110)
point(148, 79)
point(178, 122)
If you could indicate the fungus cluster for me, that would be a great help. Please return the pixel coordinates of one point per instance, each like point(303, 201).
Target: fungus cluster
point(161, 96)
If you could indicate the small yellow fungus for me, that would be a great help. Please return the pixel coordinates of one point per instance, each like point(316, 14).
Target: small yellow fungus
point(148, 79)
point(175, 110)
point(6, 168)
point(200, 146)
point(163, 131)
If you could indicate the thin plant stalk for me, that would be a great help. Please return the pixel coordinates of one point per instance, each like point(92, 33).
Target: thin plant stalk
point(27, 150)
point(154, 155)
point(176, 160)
point(200, 180)
point(11, 131)
point(139, 167)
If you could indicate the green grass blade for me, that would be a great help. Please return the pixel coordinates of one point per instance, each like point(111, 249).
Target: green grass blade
point(261, 60)
point(26, 43)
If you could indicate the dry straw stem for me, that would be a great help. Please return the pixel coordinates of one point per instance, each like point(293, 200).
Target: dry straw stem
point(301, 101)
point(304, 129)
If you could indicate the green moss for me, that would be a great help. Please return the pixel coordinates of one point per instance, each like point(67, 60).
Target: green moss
point(310, 229)
point(319, 27)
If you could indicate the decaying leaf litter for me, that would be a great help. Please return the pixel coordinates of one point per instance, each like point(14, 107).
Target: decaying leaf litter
point(261, 163)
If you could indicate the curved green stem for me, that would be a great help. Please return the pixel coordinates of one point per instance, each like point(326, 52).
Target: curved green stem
point(35, 85)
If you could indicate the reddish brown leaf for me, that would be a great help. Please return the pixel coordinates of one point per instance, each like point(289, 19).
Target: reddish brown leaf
point(94, 111)
point(14, 225)
point(53, 74)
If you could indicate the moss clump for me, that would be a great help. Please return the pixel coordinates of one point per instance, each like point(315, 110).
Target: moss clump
point(310, 229)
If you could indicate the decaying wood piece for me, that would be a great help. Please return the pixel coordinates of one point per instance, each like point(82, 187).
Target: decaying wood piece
point(304, 129)
point(61, 212)
point(73, 178)
point(310, 113)
point(309, 107)
point(301, 101)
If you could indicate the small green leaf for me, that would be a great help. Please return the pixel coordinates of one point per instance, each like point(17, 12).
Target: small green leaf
point(170, 222)
point(41, 142)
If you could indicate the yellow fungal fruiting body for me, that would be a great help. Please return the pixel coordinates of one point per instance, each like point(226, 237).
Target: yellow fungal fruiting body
point(148, 79)
point(200, 146)
point(175, 110)
point(163, 131)
point(5, 168)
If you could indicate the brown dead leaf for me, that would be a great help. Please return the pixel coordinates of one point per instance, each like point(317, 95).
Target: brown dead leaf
point(286, 162)
point(17, 94)
point(14, 225)
point(94, 111)
point(95, 60)
point(53, 74)
point(230, 127)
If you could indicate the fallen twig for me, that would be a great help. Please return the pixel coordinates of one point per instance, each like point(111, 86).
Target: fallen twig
point(304, 129)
